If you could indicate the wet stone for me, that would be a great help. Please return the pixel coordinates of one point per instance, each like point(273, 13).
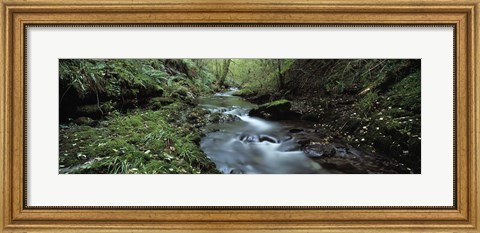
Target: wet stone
point(295, 130)
point(267, 138)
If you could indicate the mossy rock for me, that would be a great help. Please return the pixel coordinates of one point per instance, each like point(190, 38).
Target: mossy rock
point(181, 92)
point(92, 111)
point(86, 121)
point(276, 110)
point(215, 117)
point(152, 91)
point(158, 102)
point(245, 93)
point(283, 103)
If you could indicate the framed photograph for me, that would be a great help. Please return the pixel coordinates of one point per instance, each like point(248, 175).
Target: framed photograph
point(302, 116)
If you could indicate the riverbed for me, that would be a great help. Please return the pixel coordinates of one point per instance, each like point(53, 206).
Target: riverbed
point(253, 145)
point(250, 145)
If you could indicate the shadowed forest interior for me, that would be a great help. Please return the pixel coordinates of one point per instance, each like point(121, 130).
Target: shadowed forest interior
point(236, 116)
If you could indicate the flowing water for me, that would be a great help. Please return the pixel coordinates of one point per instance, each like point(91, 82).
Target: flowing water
point(252, 145)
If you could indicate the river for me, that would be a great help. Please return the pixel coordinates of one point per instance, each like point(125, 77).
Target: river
point(253, 145)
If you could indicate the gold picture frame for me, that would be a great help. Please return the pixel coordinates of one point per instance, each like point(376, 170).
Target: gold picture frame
point(464, 15)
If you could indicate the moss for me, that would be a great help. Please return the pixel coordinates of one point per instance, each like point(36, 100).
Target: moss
point(158, 102)
point(276, 110)
point(126, 83)
point(142, 141)
point(245, 92)
point(180, 92)
point(277, 103)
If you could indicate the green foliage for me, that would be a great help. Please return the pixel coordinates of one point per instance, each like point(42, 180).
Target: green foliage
point(118, 80)
point(372, 103)
point(142, 141)
point(406, 93)
point(368, 102)
point(378, 112)
point(276, 103)
point(254, 75)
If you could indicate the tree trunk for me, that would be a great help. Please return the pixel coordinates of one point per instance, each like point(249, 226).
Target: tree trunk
point(281, 78)
point(226, 66)
point(217, 70)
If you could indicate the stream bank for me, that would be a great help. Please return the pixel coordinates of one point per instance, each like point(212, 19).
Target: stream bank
point(141, 141)
point(142, 115)
point(219, 135)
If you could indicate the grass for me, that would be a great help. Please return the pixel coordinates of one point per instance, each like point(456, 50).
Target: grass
point(139, 142)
